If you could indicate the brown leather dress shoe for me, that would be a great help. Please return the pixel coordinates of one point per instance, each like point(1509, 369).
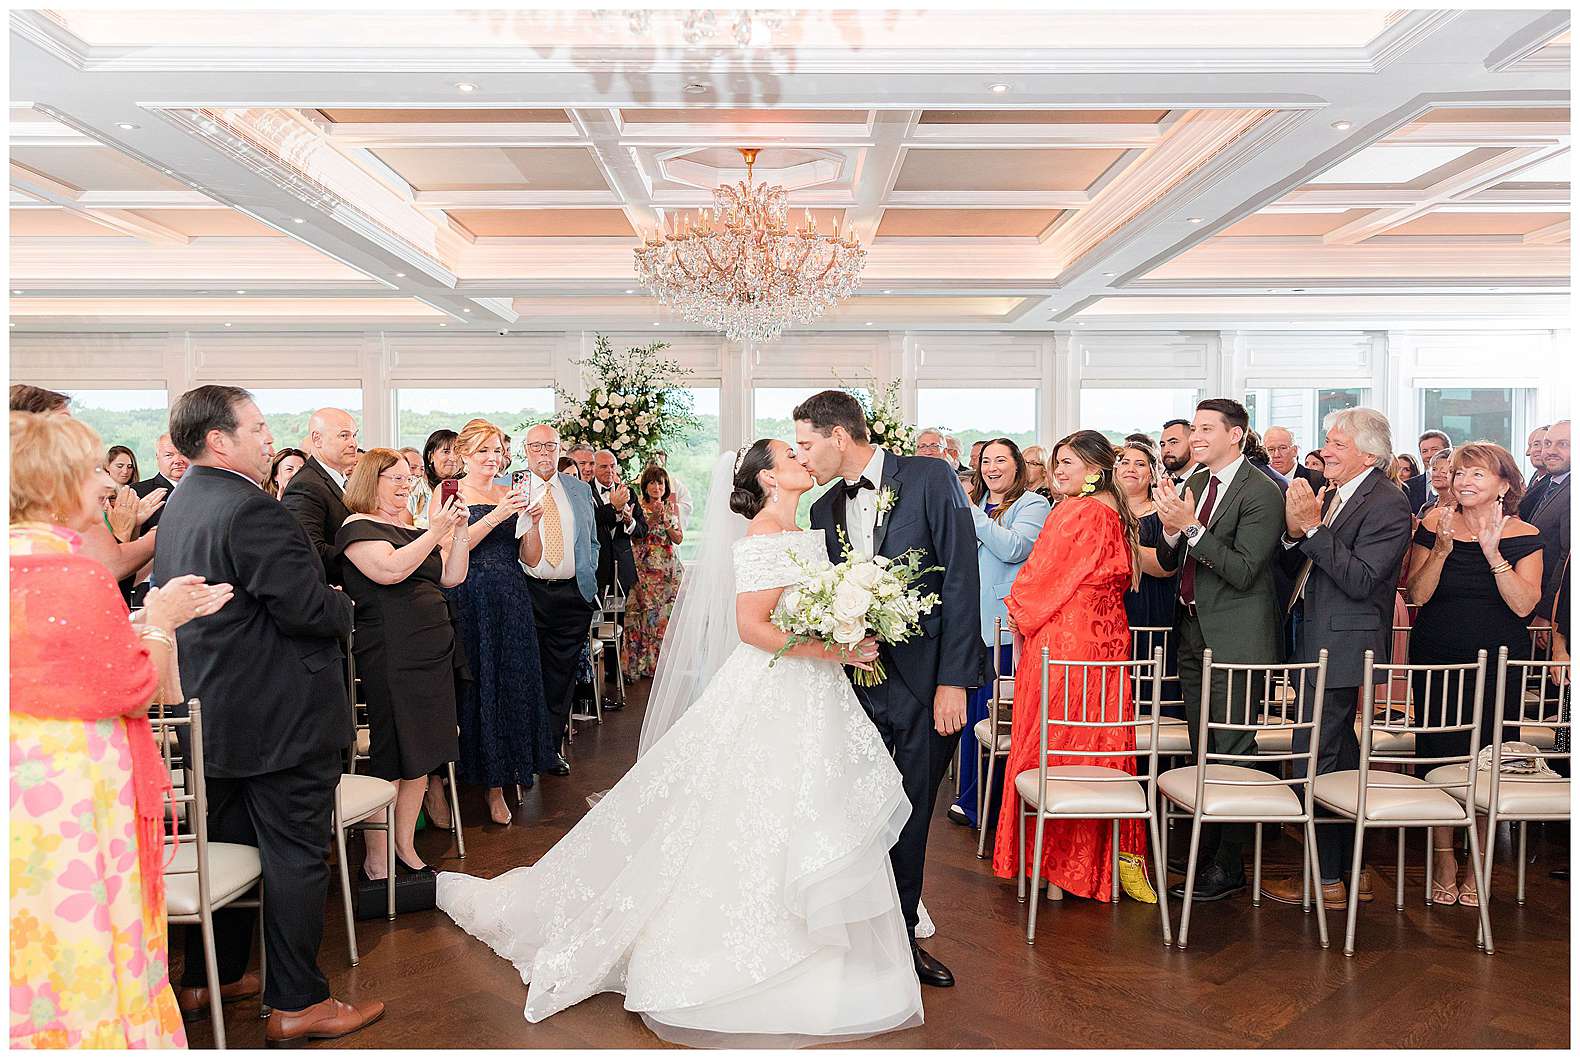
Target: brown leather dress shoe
point(1287, 892)
point(193, 1000)
point(324, 1021)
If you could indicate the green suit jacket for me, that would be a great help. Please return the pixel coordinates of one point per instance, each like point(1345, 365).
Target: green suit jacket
point(1235, 599)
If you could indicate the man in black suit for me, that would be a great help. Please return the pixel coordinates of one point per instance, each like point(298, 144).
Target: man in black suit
point(619, 519)
point(269, 671)
point(887, 505)
point(316, 494)
point(1536, 453)
point(1343, 545)
point(1284, 457)
point(1429, 444)
point(1174, 450)
point(1551, 517)
point(172, 465)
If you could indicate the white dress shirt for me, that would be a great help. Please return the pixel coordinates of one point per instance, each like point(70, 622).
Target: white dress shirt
point(861, 511)
point(1224, 477)
point(566, 567)
point(682, 500)
point(334, 475)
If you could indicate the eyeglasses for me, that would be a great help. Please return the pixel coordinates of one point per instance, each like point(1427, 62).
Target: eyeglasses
point(398, 477)
point(541, 446)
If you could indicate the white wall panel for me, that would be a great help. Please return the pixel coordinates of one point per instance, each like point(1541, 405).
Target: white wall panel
point(957, 356)
point(66, 361)
point(433, 360)
point(327, 359)
point(821, 358)
point(1307, 358)
point(1159, 356)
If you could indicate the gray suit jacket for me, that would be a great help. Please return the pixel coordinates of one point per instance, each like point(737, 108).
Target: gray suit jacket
point(1551, 517)
point(1349, 595)
point(1235, 597)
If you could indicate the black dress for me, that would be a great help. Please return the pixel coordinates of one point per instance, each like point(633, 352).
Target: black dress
point(1152, 605)
point(1465, 615)
point(406, 656)
point(504, 718)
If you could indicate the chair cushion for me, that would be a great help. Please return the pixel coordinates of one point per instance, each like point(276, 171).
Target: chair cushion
point(362, 796)
point(1173, 736)
point(232, 870)
point(1406, 797)
point(984, 734)
point(1279, 740)
point(1539, 736)
point(1076, 789)
point(1392, 744)
point(1517, 795)
point(1270, 800)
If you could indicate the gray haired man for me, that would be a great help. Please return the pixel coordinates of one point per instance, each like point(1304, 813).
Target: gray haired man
point(1342, 546)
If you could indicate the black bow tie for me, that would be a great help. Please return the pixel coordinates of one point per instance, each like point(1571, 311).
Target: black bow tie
point(852, 488)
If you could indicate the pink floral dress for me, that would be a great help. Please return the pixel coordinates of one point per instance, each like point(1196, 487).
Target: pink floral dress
point(88, 962)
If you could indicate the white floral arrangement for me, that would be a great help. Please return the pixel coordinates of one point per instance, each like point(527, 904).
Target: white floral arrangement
point(866, 595)
point(633, 406)
point(886, 425)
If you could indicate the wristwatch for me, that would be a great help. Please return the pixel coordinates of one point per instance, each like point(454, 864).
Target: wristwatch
point(1193, 531)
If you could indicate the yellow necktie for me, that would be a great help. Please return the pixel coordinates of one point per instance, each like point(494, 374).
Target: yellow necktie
point(553, 533)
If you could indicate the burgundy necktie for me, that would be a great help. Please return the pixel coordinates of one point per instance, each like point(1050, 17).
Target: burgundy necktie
point(1204, 516)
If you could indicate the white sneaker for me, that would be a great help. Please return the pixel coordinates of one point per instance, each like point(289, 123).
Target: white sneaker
point(924, 922)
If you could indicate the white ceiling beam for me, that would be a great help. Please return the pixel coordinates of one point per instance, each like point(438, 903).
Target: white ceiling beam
point(513, 199)
point(1551, 234)
point(376, 134)
point(129, 223)
point(1481, 133)
point(1472, 178)
point(876, 171)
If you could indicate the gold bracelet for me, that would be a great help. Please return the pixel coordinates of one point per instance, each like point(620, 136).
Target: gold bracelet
point(158, 635)
point(1501, 567)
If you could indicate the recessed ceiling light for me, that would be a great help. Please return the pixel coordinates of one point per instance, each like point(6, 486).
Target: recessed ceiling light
point(443, 324)
point(888, 292)
point(655, 323)
point(400, 275)
point(241, 292)
point(128, 126)
point(299, 220)
point(696, 88)
point(1343, 125)
point(1080, 323)
point(16, 292)
point(197, 187)
point(466, 86)
point(1194, 220)
point(998, 88)
point(1110, 275)
point(869, 323)
point(466, 310)
point(227, 325)
point(630, 292)
point(169, 170)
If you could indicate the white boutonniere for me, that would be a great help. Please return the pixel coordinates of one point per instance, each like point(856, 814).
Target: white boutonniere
point(886, 498)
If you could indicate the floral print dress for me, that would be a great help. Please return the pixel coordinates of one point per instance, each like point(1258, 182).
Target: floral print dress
point(648, 608)
point(88, 961)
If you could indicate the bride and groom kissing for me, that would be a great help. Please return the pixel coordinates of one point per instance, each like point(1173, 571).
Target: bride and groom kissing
point(754, 879)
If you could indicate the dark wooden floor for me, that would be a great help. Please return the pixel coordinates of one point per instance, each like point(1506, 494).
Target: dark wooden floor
point(1098, 976)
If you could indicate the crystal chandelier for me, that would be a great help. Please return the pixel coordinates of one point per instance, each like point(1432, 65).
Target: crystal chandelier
point(742, 269)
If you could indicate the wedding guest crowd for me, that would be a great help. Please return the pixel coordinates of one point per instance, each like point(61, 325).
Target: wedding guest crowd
point(471, 638)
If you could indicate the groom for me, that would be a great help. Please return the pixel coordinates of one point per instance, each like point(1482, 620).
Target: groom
point(887, 505)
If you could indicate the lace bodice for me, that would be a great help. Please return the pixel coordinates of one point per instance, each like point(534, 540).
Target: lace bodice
point(769, 560)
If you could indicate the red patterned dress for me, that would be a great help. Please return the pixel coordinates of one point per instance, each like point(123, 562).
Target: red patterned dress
point(1070, 598)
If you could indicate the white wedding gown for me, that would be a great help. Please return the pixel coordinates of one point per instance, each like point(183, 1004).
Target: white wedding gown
point(735, 885)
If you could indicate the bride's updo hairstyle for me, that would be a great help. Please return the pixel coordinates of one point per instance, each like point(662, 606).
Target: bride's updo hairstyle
point(748, 497)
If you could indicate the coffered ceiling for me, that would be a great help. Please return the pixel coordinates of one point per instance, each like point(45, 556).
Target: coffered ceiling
point(1006, 170)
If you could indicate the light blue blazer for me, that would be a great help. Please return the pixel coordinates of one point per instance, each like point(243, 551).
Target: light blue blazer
point(1002, 548)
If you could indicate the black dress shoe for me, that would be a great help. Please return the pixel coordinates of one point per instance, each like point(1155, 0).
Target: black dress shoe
point(613, 705)
point(1561, 874)
point(958, 815)
point(559, 767)
point(1212, 884)
point(928, 970)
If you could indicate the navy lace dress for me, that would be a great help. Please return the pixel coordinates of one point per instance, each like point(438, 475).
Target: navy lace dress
point(504, 720)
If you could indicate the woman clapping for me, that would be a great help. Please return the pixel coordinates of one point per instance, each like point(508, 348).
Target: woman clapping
point(405, 643)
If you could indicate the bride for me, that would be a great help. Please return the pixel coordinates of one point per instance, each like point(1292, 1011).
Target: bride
point(735, 885)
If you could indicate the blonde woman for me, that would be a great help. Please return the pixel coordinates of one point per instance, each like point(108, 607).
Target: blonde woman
point(505, 732)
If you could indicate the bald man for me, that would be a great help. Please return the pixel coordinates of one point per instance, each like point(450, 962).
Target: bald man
point(172, 465)
point(1284, 456)
point(316, 495)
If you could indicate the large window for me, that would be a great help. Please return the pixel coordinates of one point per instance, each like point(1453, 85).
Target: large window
point(1301, 409)
point(1469, 415)
point(134, 418)
point(419, 412)
point(974, 415)
point(287, 411)
point(1120, 410)
point(691, 461)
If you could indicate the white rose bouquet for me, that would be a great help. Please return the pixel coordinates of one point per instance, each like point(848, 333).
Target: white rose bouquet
point(863, 596)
